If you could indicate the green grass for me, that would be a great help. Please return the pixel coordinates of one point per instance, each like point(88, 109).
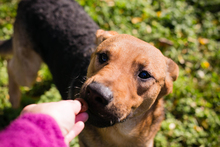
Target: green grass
point(191, 29)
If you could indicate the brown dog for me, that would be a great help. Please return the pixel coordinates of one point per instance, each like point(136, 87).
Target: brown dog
point(127, 79)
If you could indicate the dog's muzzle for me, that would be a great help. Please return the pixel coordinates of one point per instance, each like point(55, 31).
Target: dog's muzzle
point(99, 94)
point(99, 98)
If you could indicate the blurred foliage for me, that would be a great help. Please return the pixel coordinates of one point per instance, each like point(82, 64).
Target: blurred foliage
point(185, 30)
point(7, 14)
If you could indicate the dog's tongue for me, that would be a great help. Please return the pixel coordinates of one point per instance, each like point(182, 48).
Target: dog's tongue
point(84, 106)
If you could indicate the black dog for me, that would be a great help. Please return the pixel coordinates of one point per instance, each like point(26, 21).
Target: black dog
point(57, 32)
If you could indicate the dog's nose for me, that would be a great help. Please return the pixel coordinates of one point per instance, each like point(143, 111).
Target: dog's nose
point(99, 93)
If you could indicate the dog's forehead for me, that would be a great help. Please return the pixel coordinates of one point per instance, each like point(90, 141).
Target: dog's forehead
point(127, 46)
point(131, 51)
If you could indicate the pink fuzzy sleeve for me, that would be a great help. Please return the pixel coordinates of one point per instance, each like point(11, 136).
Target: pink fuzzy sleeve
point(32, 130)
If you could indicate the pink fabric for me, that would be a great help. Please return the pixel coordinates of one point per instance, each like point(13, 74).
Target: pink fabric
point(32, 130)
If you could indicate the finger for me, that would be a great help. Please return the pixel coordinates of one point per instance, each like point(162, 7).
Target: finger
point(28, 108)
point(82, 117)
point(77, 128)
point(75, 105)
point(83, 103)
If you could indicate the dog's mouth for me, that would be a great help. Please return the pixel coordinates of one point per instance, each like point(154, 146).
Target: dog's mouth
point(103, 115)
point(102, 120)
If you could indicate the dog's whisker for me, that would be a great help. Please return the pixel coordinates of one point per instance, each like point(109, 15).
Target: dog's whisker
point(85, 78)
point(76, 87)
point(77, 95)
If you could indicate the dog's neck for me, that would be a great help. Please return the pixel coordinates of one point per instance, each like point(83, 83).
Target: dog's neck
point(120, 134)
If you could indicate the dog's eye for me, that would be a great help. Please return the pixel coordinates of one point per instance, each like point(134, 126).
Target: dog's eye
point(144, 75)
point(103, 57)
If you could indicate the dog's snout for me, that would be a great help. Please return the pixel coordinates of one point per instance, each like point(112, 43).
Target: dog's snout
point(99, 93)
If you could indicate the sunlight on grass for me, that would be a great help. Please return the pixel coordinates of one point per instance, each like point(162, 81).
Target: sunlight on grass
point(185, 30)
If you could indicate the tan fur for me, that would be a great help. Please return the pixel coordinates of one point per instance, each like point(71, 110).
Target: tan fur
point(24, 64)
point(141, 101)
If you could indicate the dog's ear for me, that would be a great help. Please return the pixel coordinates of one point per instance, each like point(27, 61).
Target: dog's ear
point(173, 69)
point(171, 76)
point(102, 35)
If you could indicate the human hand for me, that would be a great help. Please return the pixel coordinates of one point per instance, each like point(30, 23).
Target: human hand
point(70, 115)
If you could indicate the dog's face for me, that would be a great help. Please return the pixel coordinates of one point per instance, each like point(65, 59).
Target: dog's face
point(125, 77)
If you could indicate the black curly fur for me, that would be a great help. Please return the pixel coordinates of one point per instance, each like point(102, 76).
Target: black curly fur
point(6, 47)
point(63, 34)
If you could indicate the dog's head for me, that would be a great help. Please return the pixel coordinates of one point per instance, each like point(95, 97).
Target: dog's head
point(125, 77)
